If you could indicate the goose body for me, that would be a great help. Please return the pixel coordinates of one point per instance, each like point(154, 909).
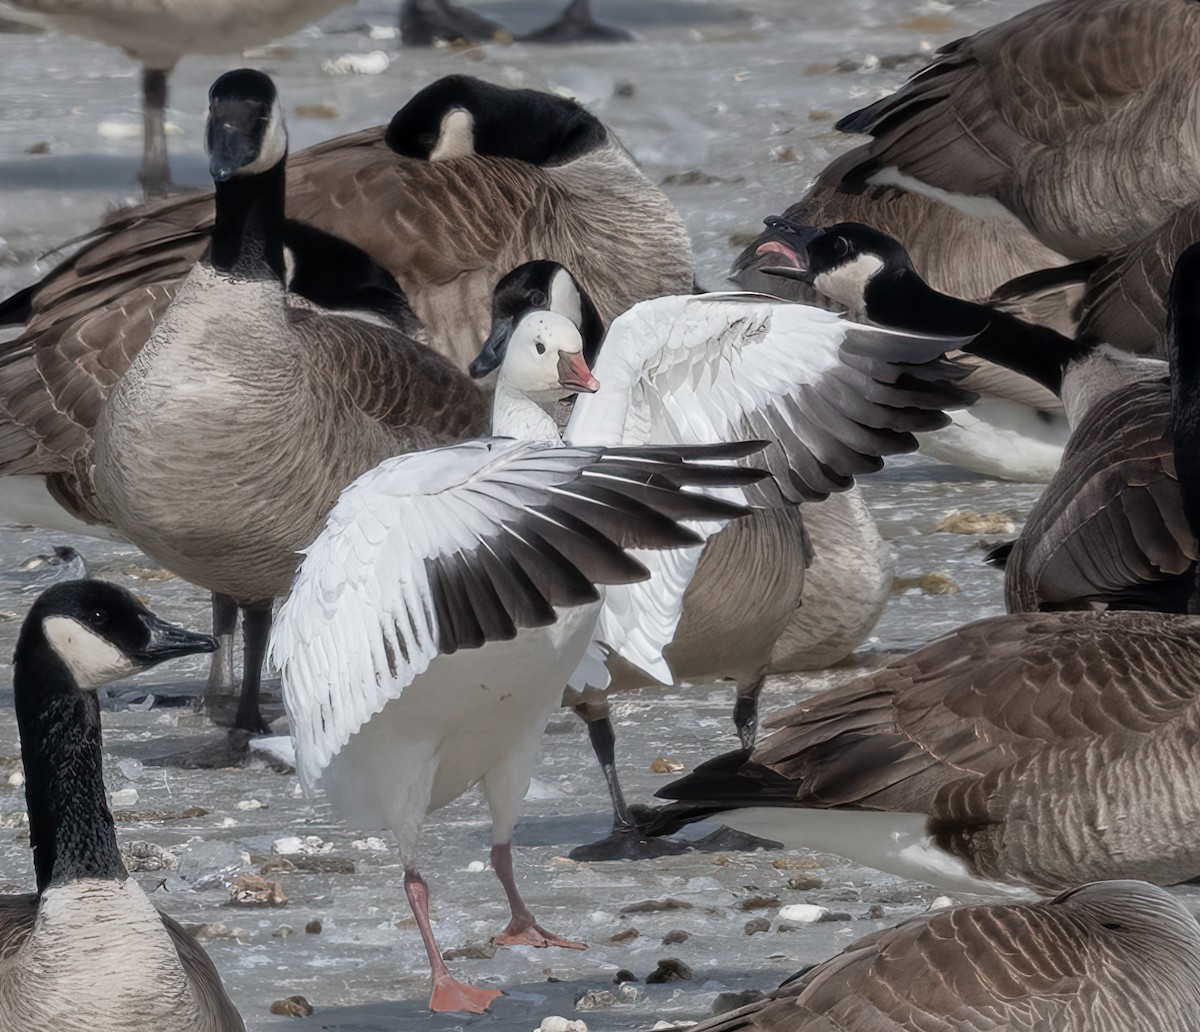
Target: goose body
point(699, 369)
point(88, 950)
point(1103, 957)
point(437, 616)
point(159, 32)
point(302, 400)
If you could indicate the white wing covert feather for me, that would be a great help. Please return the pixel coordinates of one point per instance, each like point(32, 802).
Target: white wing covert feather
point(449, 548)
point(830, 396)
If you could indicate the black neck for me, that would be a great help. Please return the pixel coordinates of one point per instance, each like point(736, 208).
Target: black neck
point(902, 300)
point(70, 827)
point(247, 238)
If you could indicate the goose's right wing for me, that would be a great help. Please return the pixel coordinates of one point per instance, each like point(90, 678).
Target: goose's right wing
point(442, 550)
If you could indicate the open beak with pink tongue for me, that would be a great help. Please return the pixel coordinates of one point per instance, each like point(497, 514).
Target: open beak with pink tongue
point(574, 374)
point(790, 241)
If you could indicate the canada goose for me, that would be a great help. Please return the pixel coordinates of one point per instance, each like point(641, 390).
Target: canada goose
point(1119, 956)
point(1119, 298)
point(1072, 116)
point(436, 618)
point(1109, 528)
point(699, 369)
point(1004, 750)
point(1018, 428)
point(88, 950)
point(159, 32)
point(38, 572)
point(458, 218)
point(576, 25)
point(425, 22)
point(296, 400)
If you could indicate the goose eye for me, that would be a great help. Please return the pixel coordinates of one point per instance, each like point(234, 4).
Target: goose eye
point(841, 247)
point(541, 348)
point(537, 299)
point(98, 617)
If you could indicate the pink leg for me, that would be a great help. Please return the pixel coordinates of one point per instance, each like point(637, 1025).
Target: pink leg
point(522, 930)
point(448, 994)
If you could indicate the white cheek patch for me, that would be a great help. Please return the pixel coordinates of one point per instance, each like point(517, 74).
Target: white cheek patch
point(274, 144)
point(91, 660)
point(457, 138)
point(847, 284)
point(564, 297)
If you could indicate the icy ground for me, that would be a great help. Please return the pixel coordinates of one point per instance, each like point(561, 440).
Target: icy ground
point(730, 106)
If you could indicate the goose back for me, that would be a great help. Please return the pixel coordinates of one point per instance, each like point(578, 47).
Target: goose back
point(1106, 957)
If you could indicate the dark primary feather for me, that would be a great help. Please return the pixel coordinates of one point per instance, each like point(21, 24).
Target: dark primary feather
point(554, 553)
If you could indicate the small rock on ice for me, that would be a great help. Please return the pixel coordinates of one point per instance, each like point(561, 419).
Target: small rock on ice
point(475, 866)
point(124, 798)
point(802, 913)
point(250, 804)
point(376, 845)
point(941, 903)
point(373, 63)
point(556, 1023)
point(16, 779)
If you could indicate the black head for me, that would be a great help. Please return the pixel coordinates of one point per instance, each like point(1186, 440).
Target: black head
point(245, 134)
point(847, 253)
point(100, 632)
point(551, 326)
point(459, 116)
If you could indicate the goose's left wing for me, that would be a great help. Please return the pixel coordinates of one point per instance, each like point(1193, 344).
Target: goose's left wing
point(446, 549)
point(831, 397)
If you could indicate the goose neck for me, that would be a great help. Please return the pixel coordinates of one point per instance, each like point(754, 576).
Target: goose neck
point(1034, 351)
point(1185, 417)
point(247, 238)
point(516, 414)
point(70, 826)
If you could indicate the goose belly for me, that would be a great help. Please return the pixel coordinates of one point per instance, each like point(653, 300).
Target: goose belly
point(896, 843)
point(98, 958)
point(212, 456)
point(470, 713)
point(1003, 439)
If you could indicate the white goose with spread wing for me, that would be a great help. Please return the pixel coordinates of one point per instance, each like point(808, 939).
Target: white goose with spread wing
point(833, 398)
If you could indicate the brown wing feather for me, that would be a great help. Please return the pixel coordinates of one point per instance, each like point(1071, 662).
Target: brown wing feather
point(1052, 113)
point(980, 699)
point(1110, 526)
point(1106, 957)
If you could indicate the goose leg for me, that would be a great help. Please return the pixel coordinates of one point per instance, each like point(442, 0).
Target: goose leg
point(745, 711)
point(449, 994)
point(256, 628)
point(522, 930)
point(625, 842)
point(220, 671)
point(155, 176)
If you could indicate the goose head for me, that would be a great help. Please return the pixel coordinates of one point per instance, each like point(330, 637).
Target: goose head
point(545, 335)
point(98, 632)
point(245, 135)
point(459, 116)
point(844, 262)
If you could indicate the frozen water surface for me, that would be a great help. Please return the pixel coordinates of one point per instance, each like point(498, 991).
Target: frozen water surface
point(730, 106)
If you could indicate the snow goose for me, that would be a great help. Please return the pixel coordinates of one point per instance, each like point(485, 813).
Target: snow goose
point(1073, 117)
point(436, 618)
point(1118, 956)
point(265, 408)
point(698, 369)
point(1109, 528)
point(89, 951)
point(159, 32)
